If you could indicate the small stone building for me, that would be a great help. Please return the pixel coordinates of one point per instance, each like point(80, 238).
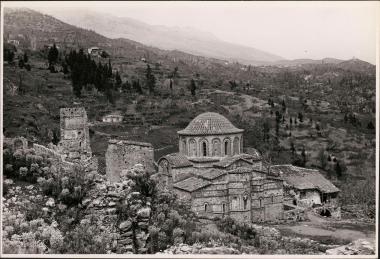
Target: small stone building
point(306, 187)
point(216, 177)
point(113, 118)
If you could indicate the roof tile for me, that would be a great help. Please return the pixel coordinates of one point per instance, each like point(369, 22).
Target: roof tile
point(209, 123)
point(304, 178)
point(191, 184)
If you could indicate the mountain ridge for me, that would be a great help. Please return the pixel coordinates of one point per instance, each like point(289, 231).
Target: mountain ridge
point(192, 41)
point(35, 23)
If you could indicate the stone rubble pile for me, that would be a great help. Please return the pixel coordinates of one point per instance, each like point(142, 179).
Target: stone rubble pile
point(358, 247)
point(199, 249)
point(130, 235)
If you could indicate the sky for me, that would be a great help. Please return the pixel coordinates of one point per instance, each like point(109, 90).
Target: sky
point(289, 29)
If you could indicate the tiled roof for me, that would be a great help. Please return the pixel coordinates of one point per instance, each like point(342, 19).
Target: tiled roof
point(304, 178)
point(253, 152)
point(191, 184)
point(227, 161)
point(177, 160)
point(209, 123)
point(241, 170)
point(210, 174)
point(203, 159)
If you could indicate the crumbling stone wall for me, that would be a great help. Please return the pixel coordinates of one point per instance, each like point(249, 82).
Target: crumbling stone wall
point(128, 235)
point(123, 155)
point(46, 152)
point(75, 137)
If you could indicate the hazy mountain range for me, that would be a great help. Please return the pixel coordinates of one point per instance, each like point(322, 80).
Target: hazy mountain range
point(189, 40)
point(131, 35)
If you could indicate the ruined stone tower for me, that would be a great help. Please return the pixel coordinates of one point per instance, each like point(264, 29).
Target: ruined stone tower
point(124, 154)
point(75, 137)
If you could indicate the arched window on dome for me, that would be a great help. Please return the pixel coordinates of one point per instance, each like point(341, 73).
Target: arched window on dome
point(184, 147)
point(192, 147)
point(216, 147)
point(236, 146)
point(227, 147)
point(204, 148)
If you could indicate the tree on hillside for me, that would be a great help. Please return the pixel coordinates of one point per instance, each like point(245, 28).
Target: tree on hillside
point(109, 68)
point(300, 116)
point(175, 72)
point(26, 59)
point(338, 170)
point(137, 87)
point(323, 158)
point(150, 79)
point(292, 148)
point(266, 130)
point(53, 55)
point(370, 125)
point(118, 80)
point(9, 53)
point(21, 62)
point(233, 84)
point(193, 87)
point(283, 105)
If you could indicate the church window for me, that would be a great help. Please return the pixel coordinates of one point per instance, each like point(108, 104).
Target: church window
point(204, 149)
point(224, 207)
point(245, 201)
point(184, 147)
point(227, 147)
point(236, 146)
point(272, 199)
point(206, 207)
point(193, 148)
point(261, 202)
point(216, 147)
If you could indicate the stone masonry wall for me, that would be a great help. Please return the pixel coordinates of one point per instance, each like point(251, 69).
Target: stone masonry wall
point(75, 137)
point(123, 155)
point(129, 235)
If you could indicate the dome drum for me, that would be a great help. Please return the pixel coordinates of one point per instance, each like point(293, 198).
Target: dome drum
point(210, 135)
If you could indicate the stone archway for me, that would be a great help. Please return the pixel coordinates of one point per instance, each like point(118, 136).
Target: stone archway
point(325, 213)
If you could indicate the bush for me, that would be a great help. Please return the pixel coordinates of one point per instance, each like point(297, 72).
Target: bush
point(243, 230)
point(70, 187)
point(173, 222)
point(86, 238)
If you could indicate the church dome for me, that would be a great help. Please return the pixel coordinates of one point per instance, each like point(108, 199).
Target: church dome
point(209, 123)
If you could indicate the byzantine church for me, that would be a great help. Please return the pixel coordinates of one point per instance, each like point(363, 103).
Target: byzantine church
point(212, 172)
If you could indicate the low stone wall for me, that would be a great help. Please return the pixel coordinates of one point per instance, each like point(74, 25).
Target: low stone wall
point(47, 152)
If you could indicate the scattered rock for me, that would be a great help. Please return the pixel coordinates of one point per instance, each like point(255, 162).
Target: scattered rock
point(358, 247)
point(125, 225)
point(144, 212)
point(50, 202)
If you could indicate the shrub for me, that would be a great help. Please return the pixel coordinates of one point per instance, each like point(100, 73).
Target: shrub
point(86, 238)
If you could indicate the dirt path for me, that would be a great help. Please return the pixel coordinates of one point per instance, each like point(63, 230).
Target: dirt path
point(323, 228)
